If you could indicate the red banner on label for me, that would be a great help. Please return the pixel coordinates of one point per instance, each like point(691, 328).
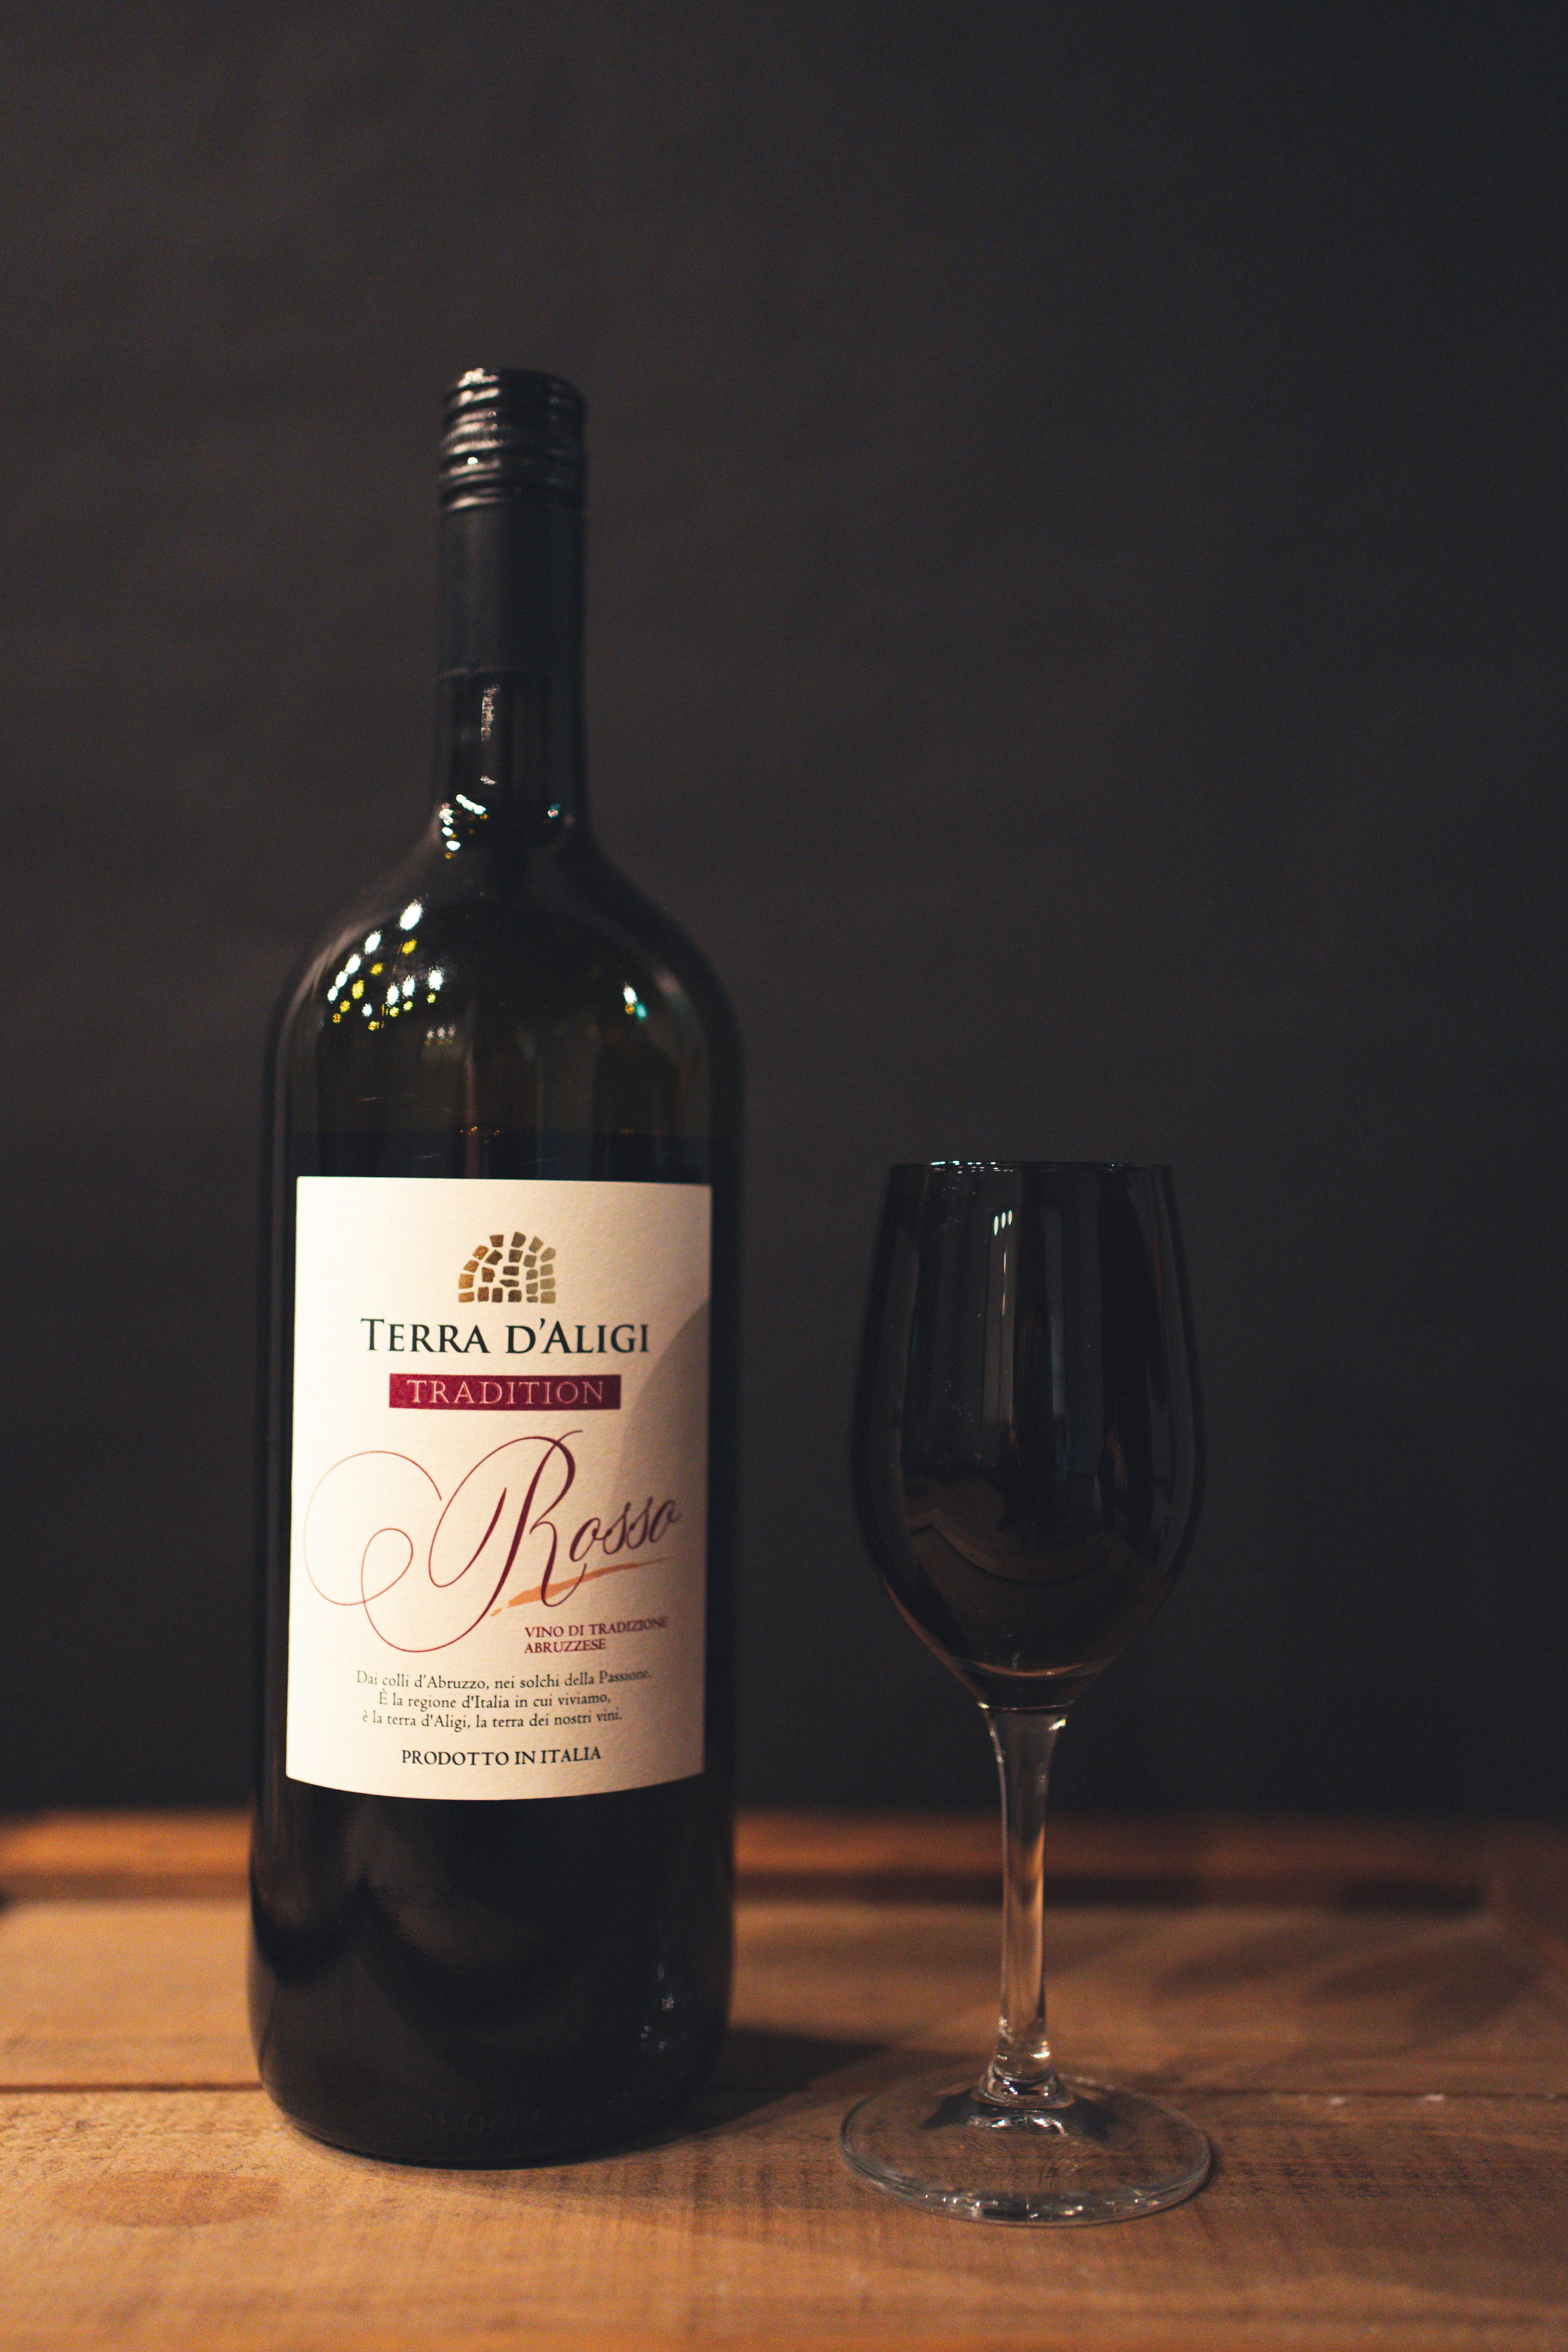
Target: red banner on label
point(505, 1391)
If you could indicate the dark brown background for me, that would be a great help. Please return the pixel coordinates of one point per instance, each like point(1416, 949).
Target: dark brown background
point(1077, 635)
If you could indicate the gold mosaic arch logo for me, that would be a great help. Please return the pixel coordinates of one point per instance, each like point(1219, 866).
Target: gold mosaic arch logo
point(519, 1273)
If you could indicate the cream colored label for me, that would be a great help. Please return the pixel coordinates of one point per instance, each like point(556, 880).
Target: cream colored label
point(498, 1564)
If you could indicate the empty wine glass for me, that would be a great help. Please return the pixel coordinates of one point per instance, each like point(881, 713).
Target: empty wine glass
point(1027, 1460)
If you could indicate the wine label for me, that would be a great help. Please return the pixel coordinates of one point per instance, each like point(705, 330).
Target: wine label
point(497, 1562)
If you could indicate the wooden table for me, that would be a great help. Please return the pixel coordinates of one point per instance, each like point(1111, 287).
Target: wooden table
point(1371, 2021)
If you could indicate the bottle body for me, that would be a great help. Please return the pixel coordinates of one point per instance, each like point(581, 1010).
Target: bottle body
point(532, 1958)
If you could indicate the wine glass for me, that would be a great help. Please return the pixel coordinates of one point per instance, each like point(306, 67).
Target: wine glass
point(1027, 1461)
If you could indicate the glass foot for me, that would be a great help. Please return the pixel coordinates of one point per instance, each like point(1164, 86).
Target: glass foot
point(1088, 2154)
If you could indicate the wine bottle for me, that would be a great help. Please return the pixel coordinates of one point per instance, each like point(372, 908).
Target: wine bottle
point(491, 1877)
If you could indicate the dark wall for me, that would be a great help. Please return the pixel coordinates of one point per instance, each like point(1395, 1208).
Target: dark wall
point(1077, 634)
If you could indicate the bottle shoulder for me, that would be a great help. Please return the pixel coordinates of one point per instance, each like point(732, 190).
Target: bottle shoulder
point(553, 955)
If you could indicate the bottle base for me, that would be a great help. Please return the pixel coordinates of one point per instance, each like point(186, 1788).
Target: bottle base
point(454, 2140)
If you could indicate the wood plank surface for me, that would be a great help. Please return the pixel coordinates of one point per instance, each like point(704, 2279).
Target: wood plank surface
point(133, 1994)
point(201, 2213)
point(52, 1856)
point(150, 1994)
point(952, 1856)
point(1384, 2078)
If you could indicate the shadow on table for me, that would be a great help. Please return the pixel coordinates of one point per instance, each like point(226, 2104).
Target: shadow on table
point(757, 2068)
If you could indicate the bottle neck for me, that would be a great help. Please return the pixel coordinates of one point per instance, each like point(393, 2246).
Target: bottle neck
point(509, 724)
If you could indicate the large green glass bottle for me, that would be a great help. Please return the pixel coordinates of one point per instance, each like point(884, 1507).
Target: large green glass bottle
point(491, 1873)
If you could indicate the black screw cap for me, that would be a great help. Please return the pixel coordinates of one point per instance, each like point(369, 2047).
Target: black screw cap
point(506, 430)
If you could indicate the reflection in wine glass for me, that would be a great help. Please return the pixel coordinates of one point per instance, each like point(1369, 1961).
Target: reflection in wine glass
point(1027, 1462)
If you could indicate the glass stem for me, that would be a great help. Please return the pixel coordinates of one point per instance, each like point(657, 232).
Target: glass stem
point(1022, 2067)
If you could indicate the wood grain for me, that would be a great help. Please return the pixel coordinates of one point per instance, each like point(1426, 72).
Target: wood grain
point(1382, 2221)
point(150, 1994)
point(54, 1856)
point(1176, 1858)
point(1385, 2079)
point(135, 1994)
point(1179, 1858)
